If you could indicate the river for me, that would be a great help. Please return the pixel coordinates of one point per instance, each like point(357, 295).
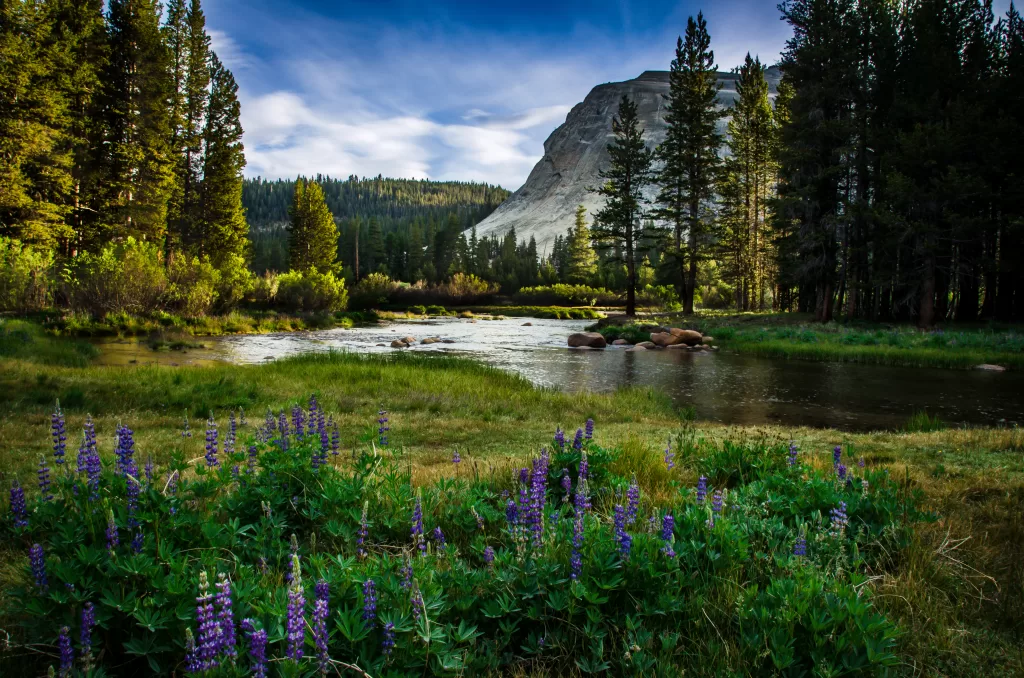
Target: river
point(723, 386)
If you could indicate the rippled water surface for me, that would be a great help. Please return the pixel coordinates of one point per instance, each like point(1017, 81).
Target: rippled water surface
point(722, 386)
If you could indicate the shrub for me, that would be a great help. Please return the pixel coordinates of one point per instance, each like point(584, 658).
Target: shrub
point(264, 290)
point(311, 291)
point(561, 294)
point(373, 291)
point(436, 310)
point(417, 310)
point(661, 297)
point(191, 286)
point(462, 289)
point(25, 276)
point(236, 283)
point(125, 277)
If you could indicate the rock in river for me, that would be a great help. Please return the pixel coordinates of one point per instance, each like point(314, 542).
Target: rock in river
point(665, 339)
point(620, 342)
point(588, 339)
point(688, 337)
point(990, 368)
point(431, 340)
point(399, 344)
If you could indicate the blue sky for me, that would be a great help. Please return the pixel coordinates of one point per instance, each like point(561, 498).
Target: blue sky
point(446, 89)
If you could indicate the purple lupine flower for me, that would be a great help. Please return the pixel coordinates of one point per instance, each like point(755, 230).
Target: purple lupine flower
point(192, 663)
point(837, 455)
point(88, 441)
point(702, 490)
point(456, 457)
point(839, 519)
point(560, 438)
point(149, 469)
point(125, 452)
point(584, 468)
point(294, 551)
point(417, 527)
point(59, 435)
point(860, 463)
point(232, 436)
point(186, 432)
point(282, 427)
point(298, 421)
point(792, 454)
point(511, 514)
point(253, 456)
point(44, 479)
point(841, 471)
point(257, 649)
point(85, 636)
point(113, 539)
point(577, 441)
point(67, 653)
point(716, 507)
point(325, 438)
point(364, 530)
point(800, 547)
point(621, 535)
point(322, 590)
point(211, 444)
point(296, 629)
point(89, 459)
point(320, 637)
point(137, 542)
point(670, 456)
point(37, 561)
point(407, 574)
point(369, 602)
point(479, 518)
point(668, 526)
point(576, 558)
point(439, 538)
point(208, 640)
point(632, 501)
point(19, 513)
point(589, 434)
point(335, 437)
point(538, 497)
point(417, 604)
point(225, 615)
point(489, 556)
point(388, 642)
point(382, 428)
point(566, 484)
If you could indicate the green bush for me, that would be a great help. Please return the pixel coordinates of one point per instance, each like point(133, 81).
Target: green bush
point(191, 286)
point(436, 310)
point(373, 291)
point(236, 283)
point(125, 277)
point(561, 294)
point(417, 310)
point(264, 290)
point(311, 291)
point(25, 276)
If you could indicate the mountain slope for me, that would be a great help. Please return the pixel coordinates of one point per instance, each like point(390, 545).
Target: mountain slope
point(577, 151)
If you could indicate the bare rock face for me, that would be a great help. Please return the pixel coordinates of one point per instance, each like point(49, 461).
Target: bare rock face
point(688, 337)
point(577, 151)
point(587, 340)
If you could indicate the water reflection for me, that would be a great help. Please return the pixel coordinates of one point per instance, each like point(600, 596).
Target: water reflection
point(722, 387)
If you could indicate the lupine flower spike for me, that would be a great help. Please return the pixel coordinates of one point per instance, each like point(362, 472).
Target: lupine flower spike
point(417, 527)
point(225, 615)
point(67, 653)
point(85, 637)
point(208, 636)
point(800, 547)
point(702, 490)
point(621, 535)
point(388, 642)
point(37, 561)
point(456, 458)
point(19, 513)
point(59, 435)
point(577, 441)
point(44, 479)
point(668, 524)
point(321, 612)
point(257, 649)
point(632, 501)
point(837, 455)
point(792, 454)
point(211, 443)
point(670, 456)
point(589, 433)
point(369, 602)
point(296, 629)
point(382, 428)
point(363, 531)
point(839, 519)
point(113, 538)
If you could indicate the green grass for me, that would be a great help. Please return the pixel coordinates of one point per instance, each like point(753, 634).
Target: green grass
point(27, 341)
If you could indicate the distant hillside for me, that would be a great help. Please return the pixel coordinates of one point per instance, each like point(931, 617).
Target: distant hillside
point(394, 205)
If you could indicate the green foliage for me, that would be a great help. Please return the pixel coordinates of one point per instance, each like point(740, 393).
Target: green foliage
point(373, 291)
point(311, 290)
point(643, 610)
point(192, 286)
point(922, 422)
point(581, 263)
point(126, 277)
point(313, 235)
point(25, 276)
point(27, 341)
point(562, 294)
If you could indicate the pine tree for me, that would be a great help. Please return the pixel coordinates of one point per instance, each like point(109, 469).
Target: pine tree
point(582, 261)
point(196, 101)
point(138, 165)
point(221, 219)
point(690, 150)
point(313, 236)
point(618, 224)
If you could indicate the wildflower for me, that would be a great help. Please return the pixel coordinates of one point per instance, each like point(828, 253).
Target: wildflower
point(211, 443)
point(837, 455)
point(800, 547)
point(229, 439)
point(716, 507)
point(479, 518)
point(417, 527)
point(589, 434)
point(668, 525)
point(320, 637)
point(253, 456)
point(388, 642)
point(560, 438)
point(417, 604)
point(125, 452)
point(369, 602)
point(456, 458)
point(67, 653)
point(186, 432)
point(44, 479)
point(407, 574)
point(282, 427)
point(792, 454)
point(841, 472)
point(113, 539)
point(257, 648)
point(37, 561)
point(670, 456)
point(864, 488)
point(363, 531)
point(18, 511)
point(335, 437)
point(577, 441)
point(621, 535)
point(325, 439)
point(839, 519)
point(192, 663)
point(566, 484)
point(57, 431)
point(632, 501)
point(860, 462)
point(439, 538)
point(511, 514)
point(298, 421)
point(489, 556)
point(576, 558)
point(584, 466)
point(382, 428)
point(209, 628)
point(85, 636)
point(296, 630)
point(702, 490)
point(225, 615)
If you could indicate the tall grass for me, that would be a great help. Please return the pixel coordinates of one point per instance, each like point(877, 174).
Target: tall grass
point(26, 341)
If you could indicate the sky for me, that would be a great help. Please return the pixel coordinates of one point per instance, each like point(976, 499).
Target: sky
point(446, 89)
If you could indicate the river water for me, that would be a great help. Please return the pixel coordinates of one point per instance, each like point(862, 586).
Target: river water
point(722, 386)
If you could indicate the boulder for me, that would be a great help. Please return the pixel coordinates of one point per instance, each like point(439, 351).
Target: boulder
point(647, 345)
point(399, 344)
point(447, 341)
point(682, 347)
point(620, 342)
point(688, 337)
point(665, 339)
point(588, 339)
point(527, 325)
point(638, 347)
point(708, 339)
point(409, 340)
point(431, 340)
point(990, 368)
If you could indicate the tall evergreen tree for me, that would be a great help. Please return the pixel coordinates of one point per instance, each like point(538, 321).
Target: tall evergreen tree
point(619, 223)
point(582, 261)
point(313, 237)
point(690, 150)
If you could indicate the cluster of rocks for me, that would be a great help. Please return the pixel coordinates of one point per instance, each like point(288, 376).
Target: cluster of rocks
point(671, 338)
point(406, 342)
